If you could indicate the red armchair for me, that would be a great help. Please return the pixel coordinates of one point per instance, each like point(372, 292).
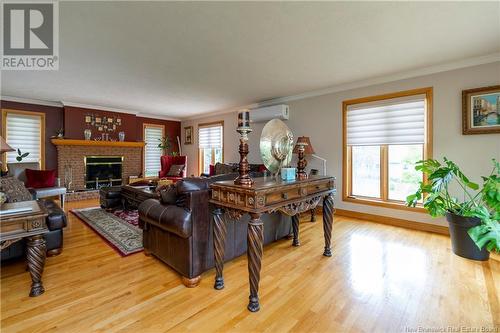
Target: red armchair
point(167, 162)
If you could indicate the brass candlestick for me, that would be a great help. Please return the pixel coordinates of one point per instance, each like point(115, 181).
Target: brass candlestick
point(302, 163)
point(244, 178)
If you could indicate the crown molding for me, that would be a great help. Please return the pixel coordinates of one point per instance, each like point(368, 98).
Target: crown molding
point(156, 116)
point(30, 101)
point(218, 113)
point(98, 107)
point(470, 62)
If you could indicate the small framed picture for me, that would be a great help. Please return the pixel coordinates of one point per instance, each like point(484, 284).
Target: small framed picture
point(481, 110)
point(88, 119)
point(99, 128)
point(110, 120)
point(118, 120)
point(97, 120)
point(188, 135)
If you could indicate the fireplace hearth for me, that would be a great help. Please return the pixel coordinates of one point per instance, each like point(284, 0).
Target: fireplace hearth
point(102, 171)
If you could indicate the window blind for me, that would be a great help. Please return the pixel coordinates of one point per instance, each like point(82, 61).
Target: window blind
point(152, 154)
point(210, 137)
point(397, 121)
point(24, 132)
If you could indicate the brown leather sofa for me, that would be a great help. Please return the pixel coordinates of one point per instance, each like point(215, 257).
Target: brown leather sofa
point(178, 228)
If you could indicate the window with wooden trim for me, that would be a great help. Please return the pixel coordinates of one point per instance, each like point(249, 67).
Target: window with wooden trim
point(24, 130)
point(383, 138)
point(152, 153)
point(210, 145)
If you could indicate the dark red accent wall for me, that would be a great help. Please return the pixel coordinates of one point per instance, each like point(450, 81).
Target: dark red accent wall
point(74, 123)
point(72, 119)
point(53, 122)
point(172, 129)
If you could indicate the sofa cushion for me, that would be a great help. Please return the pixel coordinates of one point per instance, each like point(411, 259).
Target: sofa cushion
point(224, 168)
point(176, 170)
point(14, 189)
point(167, 217)
point(191, 184)
point(168, 195)
point(40, 178)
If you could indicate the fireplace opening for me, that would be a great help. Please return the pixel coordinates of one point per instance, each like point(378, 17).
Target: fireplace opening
point(102, 171)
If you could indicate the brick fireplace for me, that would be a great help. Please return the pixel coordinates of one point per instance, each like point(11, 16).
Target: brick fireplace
point(71, 156)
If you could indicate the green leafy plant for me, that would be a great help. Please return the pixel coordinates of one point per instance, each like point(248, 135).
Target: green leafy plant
point(483, 203)
point(164, 143)
point(20, 155)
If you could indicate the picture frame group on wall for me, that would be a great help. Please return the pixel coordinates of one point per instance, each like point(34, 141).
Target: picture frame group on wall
point(188, 135)
point(481, 110)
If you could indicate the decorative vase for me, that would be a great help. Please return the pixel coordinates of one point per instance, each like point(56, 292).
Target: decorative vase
point(87, 133)
point(121, 136)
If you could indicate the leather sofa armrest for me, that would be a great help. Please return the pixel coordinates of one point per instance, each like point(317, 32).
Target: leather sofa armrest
point(167, 217)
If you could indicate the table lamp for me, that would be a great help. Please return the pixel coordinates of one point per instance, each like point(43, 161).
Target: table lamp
point(302, 147)
point(4, 147)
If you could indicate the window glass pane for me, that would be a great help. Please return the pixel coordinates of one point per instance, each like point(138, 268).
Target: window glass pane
point(218, 155)
point(152, 153)
point(403, 178)
point(207, 159)
point(24, 132)
point(366, 171)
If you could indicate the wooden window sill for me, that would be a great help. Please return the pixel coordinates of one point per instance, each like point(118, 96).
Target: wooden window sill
point(387, 204)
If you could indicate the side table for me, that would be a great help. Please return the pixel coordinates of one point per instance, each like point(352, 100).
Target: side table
point(267, 195)
point(26, 219)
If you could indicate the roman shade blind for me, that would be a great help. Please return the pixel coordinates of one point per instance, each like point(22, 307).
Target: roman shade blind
point(24, 132)
point(210, 137)
point(152, 154)
point(388, 122)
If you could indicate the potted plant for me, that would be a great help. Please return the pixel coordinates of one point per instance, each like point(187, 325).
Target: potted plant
point(474, 220)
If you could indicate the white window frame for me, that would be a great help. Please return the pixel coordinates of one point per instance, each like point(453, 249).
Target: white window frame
point(41, 116)
point(347, 195)
point(144, 128)
point(200, 150)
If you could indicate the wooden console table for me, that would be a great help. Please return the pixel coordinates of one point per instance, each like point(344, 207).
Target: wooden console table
point(267, 195)
point(30, 224)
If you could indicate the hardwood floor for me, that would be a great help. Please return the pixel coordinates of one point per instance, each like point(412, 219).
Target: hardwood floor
point(380, 278)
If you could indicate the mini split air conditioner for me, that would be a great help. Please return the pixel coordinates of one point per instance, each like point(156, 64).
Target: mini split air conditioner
point(260, 115)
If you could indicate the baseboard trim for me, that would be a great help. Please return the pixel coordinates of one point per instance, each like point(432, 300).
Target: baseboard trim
point(438, 229)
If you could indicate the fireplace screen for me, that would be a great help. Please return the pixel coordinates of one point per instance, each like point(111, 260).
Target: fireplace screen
point(101, 171)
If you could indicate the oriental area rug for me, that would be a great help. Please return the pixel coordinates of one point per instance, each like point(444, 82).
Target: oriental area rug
point(118, 228)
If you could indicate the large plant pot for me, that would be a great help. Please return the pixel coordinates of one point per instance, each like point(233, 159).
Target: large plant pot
point(461, 243)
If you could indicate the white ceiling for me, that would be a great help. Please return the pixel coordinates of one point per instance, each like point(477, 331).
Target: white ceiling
point(183, 59)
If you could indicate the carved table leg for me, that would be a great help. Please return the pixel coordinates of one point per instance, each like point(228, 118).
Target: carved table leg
point(295, 228)
point(36, 261)
point(255, 239)
point(313, 215)
point(328, 223)
point(219, 246)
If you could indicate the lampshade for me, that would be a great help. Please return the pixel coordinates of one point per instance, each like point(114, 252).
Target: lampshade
point(308, 149)
point(4, 147)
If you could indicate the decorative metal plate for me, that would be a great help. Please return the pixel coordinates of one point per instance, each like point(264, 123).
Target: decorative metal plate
point(276, 145)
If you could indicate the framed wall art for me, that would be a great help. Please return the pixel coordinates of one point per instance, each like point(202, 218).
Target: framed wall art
point(188, 135)
point(481, 110)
